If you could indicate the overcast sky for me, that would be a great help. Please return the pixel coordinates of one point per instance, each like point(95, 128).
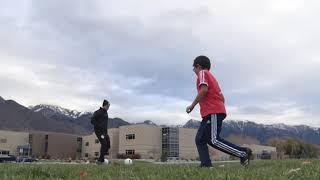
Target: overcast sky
point(139, 54)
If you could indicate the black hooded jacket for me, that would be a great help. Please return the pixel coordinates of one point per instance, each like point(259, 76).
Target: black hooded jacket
point(100, 120)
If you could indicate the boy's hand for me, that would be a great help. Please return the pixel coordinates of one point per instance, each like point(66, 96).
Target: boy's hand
point(189, 108)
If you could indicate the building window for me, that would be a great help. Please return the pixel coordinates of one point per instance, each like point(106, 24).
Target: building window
point(30, 139)
point(96, 154)
point(170, 142)
point(4, 152)
point(130, 136)
point(79, 139)
point(97, 141)
point(87, 143)
point(86, 155)
point(129, 152)
point(3, 140)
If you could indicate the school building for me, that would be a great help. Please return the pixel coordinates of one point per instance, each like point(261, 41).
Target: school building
point(41, 144)
point(149, 141)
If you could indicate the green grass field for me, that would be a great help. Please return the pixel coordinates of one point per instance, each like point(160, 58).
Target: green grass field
point(288, 169)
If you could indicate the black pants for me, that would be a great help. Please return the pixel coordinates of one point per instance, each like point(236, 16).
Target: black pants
point(105, 143)
point(209, 133)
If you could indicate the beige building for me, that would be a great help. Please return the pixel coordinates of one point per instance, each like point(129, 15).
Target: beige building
point(140, 139)
point(91, 145)
point(11, 140)
point(114, 142)
point(61, 146)
point(38, 144)
point(41, 144)
point(55, 145)
point(187, 145)
point(149, 141)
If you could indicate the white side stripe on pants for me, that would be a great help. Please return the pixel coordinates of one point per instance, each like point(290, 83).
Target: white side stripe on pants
point(220, 144)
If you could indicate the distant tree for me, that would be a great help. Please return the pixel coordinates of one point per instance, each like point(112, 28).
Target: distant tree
point(295, 148)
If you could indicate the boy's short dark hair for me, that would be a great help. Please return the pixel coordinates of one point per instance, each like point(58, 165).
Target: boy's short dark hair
point(203, 61)
point(105, 102)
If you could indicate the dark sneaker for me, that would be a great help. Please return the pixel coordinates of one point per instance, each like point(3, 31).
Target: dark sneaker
point(206, 166)
point(246, 160)
point(100, 161)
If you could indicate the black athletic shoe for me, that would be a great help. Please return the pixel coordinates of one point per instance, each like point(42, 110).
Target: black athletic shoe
point(246, 160)
point(100, 162)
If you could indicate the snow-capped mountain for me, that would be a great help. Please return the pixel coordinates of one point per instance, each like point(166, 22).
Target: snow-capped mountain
point(72, 116)
point(14, 116)
point(50, 110)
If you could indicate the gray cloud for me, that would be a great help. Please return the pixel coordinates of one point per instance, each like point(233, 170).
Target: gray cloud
point(140, 55)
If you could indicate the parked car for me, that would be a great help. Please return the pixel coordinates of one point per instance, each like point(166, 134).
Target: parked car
point(25, 159)
point(7, 158)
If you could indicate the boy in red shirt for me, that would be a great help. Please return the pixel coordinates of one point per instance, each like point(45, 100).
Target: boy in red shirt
point(213, 112)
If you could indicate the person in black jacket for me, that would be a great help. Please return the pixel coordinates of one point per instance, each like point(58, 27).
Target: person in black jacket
point(100, 123)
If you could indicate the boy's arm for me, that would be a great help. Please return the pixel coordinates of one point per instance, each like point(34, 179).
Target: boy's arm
point(203, 92)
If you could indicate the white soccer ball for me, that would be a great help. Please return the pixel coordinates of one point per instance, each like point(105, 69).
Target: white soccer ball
point(128, 161)
point(106, 161)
